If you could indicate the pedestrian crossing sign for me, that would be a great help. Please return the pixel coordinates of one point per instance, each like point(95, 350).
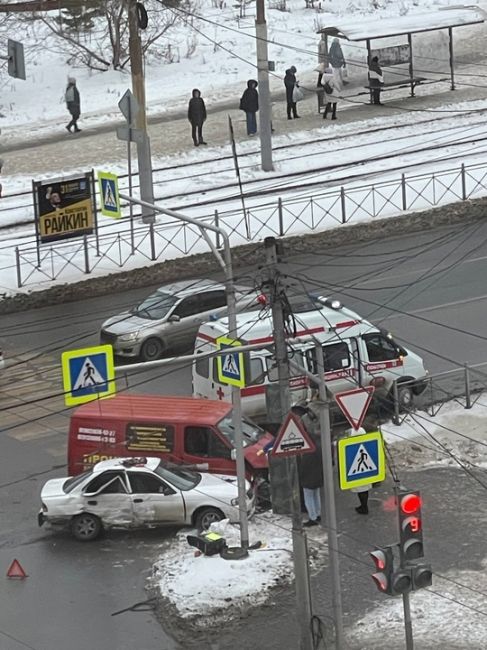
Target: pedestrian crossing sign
point(88, 374)
point(230, 366)
point(361, 460)
point(110, 199)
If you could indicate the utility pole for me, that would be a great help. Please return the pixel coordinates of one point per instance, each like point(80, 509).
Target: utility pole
point(274, 291)
point(138, 86)
point(265, 117)
point(329, 511)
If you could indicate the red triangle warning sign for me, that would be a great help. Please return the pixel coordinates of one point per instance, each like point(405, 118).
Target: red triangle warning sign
point(354, 404)
point(16, 571)
point(292, 439)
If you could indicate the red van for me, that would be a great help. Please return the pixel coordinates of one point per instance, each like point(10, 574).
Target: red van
point(185, 430)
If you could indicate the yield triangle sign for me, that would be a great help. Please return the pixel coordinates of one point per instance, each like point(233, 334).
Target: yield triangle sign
point(292, 439)
point(354, 404)
point(15, 570)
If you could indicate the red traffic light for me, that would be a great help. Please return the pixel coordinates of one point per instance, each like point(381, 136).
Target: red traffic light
point(410, 503)
point(379, 558)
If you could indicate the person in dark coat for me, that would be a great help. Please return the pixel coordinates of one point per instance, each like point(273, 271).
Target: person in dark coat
point(376, 80)
point(197, 116)
point(290, 82)
point(249, 103)
point(311, 479)
point(73, 104)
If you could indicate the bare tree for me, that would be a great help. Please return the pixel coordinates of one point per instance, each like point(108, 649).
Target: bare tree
point(105, 45)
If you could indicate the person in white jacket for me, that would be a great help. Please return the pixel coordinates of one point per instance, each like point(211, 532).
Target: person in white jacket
point(376, 80)
point(331, 89)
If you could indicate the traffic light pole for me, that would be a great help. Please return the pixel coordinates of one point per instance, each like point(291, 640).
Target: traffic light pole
point(265, 118)
point(408, 624)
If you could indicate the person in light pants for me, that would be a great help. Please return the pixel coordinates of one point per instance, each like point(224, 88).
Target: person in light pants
point(311, 479)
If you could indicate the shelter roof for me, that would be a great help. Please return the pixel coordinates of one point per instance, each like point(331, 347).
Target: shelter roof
point(377, 27)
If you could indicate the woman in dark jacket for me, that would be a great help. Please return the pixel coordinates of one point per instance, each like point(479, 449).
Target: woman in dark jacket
point(73, 104)
point(197, 116)
point(311, 479)
point(290, 82)
point(249, 103)
point(376, 80)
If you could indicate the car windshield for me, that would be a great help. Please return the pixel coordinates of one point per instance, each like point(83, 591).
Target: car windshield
point(156, 306)
point(183, 479)
point(73, 481)
point(251, 432)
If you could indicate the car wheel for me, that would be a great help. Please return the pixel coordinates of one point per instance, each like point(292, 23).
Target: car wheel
point(86, 527)
point(207, 516)
point(405, 397)
point(151, 349)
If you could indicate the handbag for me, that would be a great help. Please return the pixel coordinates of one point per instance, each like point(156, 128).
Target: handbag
point(297, 94)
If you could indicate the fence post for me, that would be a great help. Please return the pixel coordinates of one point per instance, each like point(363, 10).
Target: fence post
point(468, 401)
point(17, 264)
point(119, 250)
point(395, 393)
point(403, 192)
point(280, 217)
point(87, 259)
point(217, 225)
point(342, 201)
point(152, 242)
point(464, 183)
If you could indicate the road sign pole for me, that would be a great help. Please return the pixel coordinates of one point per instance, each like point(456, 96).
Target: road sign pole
point(330, 508)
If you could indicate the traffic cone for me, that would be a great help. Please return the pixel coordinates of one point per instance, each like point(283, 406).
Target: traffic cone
point(16, 571)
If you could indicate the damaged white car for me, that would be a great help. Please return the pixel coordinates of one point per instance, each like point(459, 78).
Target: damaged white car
point(138, 493)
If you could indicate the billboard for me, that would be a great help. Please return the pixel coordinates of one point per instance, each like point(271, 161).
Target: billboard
point(64, 208)
point(394, 55)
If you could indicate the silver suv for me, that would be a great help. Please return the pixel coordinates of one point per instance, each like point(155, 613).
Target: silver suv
point(169, 318)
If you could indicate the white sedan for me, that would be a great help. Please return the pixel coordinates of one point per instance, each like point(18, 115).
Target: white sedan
point(138, 493)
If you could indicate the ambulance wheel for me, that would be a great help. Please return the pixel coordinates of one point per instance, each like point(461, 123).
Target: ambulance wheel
point(86, 527)
point(151, 349)
point(405, 397)
point(207, 516)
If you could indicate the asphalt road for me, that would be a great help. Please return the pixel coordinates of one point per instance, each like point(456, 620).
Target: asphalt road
point(428, 288)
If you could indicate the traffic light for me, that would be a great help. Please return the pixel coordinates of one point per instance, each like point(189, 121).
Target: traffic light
point(410, 525)
point(390, 582)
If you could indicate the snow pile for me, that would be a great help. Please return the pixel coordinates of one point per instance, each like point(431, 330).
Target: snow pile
point(200, 587)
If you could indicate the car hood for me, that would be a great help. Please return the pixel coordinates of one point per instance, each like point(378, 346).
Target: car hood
point(126, 322)
point(220, 481)
point(54, 488)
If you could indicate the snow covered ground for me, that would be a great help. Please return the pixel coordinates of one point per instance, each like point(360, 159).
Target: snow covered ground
point(207, 590)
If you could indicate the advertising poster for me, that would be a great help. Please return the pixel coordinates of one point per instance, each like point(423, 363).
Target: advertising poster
point(64, 208)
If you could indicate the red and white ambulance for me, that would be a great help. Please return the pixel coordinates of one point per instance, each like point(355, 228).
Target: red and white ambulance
point(355, 353)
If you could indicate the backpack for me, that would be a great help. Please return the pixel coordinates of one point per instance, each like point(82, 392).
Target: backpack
point(328, 88)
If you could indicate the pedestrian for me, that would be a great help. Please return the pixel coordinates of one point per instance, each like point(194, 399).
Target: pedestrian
point(73, 104)
point(331, 94)
point(337, 62)
point(290, 83)
point(310, 467)
point(376, 80)
point(249, 103)
point(197, 117)
point(362, 491)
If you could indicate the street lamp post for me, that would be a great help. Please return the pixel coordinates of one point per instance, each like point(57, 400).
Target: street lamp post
point(226, 264)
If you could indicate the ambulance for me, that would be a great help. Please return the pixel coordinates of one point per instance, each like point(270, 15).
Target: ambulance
point(355, 353)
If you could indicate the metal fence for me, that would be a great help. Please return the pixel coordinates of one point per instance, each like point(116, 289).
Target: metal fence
point(123, 243)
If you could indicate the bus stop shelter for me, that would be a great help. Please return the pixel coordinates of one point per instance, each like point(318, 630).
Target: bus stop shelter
point(368, 30)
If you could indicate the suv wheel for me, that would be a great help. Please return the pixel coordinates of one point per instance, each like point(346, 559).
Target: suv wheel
point(151, 349)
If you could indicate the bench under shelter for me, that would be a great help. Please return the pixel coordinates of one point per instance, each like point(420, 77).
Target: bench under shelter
point(369, 30)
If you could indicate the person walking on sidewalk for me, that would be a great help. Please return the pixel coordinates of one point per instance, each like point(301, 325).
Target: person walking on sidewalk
point(290, 82)
point(73, 104)
point(310, 467)
point(376, 80)
point(249, 103)
point(362, 491)
point(197, 117)
point(331, 94)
